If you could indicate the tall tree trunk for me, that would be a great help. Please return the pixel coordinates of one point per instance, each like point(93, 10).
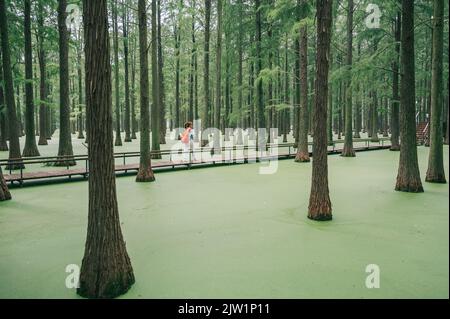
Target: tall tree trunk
point(155, 85)
point(127, 74)
point(106, 270)
point(65, 151)
point(261, 139)
point(348, 141)
point(408, 178)
point(435, 172)
point(303, 151)
point(133, 91)
point(80, 91)
point(161, 90)
point(145, 173)
point(330, 117)
point(240, 124)
point(3, 111)
point(319, 202)
point(395, 125)
point(14, 144)
point(118, 139)
point(177, 79)
point(206, 123)
point(217, 113)
point(4, 191)
point(191, 70)
point(30, 149)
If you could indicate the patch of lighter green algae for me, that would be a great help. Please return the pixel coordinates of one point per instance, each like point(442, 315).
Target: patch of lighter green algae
point(229, 232)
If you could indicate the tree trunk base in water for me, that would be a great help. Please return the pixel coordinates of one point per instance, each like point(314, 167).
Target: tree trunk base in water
point(65, 162)
point(409, 186)
point(81, 136)
point(4, 147)
point(31, 152)
point(395, 148)
point(43, 141)
point(145, 175)
point(156, 155)
point(119, 281)
point(435, 177)
point(357, 135)
point(348, 152)
point(118, 143)
point(320, 211)
point(4, 191)
point(302, 157)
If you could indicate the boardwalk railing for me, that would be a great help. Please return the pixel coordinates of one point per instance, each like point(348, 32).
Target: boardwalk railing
point(22, 176)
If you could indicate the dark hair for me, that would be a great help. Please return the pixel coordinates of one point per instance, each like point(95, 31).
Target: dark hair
point(188, 124)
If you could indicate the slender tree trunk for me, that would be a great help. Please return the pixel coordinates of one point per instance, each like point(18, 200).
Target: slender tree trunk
point(145, 173)
point(286, 119)
point(65, 151)
point(191, 71)
point(330, 117)
point(161, 90)
point(155, 85)
point(348, 141)
point(133, 91)
point(3, 111)
point(374, 118)
point(395, 125)
point(408, 178)
point(30, 149)
point(261, 139)
point(118, 139)
point(303, 151)
point(14, 144)
point(80, 92)
point(106, 270)
point(127, 74)
point(240, 124)
point(319, 202)
point(177, 80)
point(435, 172)
point(217, 113)
point(206, 113)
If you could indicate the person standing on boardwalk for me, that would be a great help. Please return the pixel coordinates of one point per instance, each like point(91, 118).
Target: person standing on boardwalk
point(187, 138)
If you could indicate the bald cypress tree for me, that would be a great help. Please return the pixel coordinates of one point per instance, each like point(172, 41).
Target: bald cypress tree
point(395, 125)
point(206, 120)
point(4, 191)
point(106, 270)
point(435, 172)
point(65, 150)
point(348, 140)
point(302, 151)
point(155, 85)
point(145, 173)
point(13, 123)
point(319, 202)
point(408, 178)
point(30, 148)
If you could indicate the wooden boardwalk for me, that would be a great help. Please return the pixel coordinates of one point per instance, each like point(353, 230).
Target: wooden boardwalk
point(83, 173)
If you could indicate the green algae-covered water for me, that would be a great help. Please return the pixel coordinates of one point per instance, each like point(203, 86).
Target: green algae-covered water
point(229, 232)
